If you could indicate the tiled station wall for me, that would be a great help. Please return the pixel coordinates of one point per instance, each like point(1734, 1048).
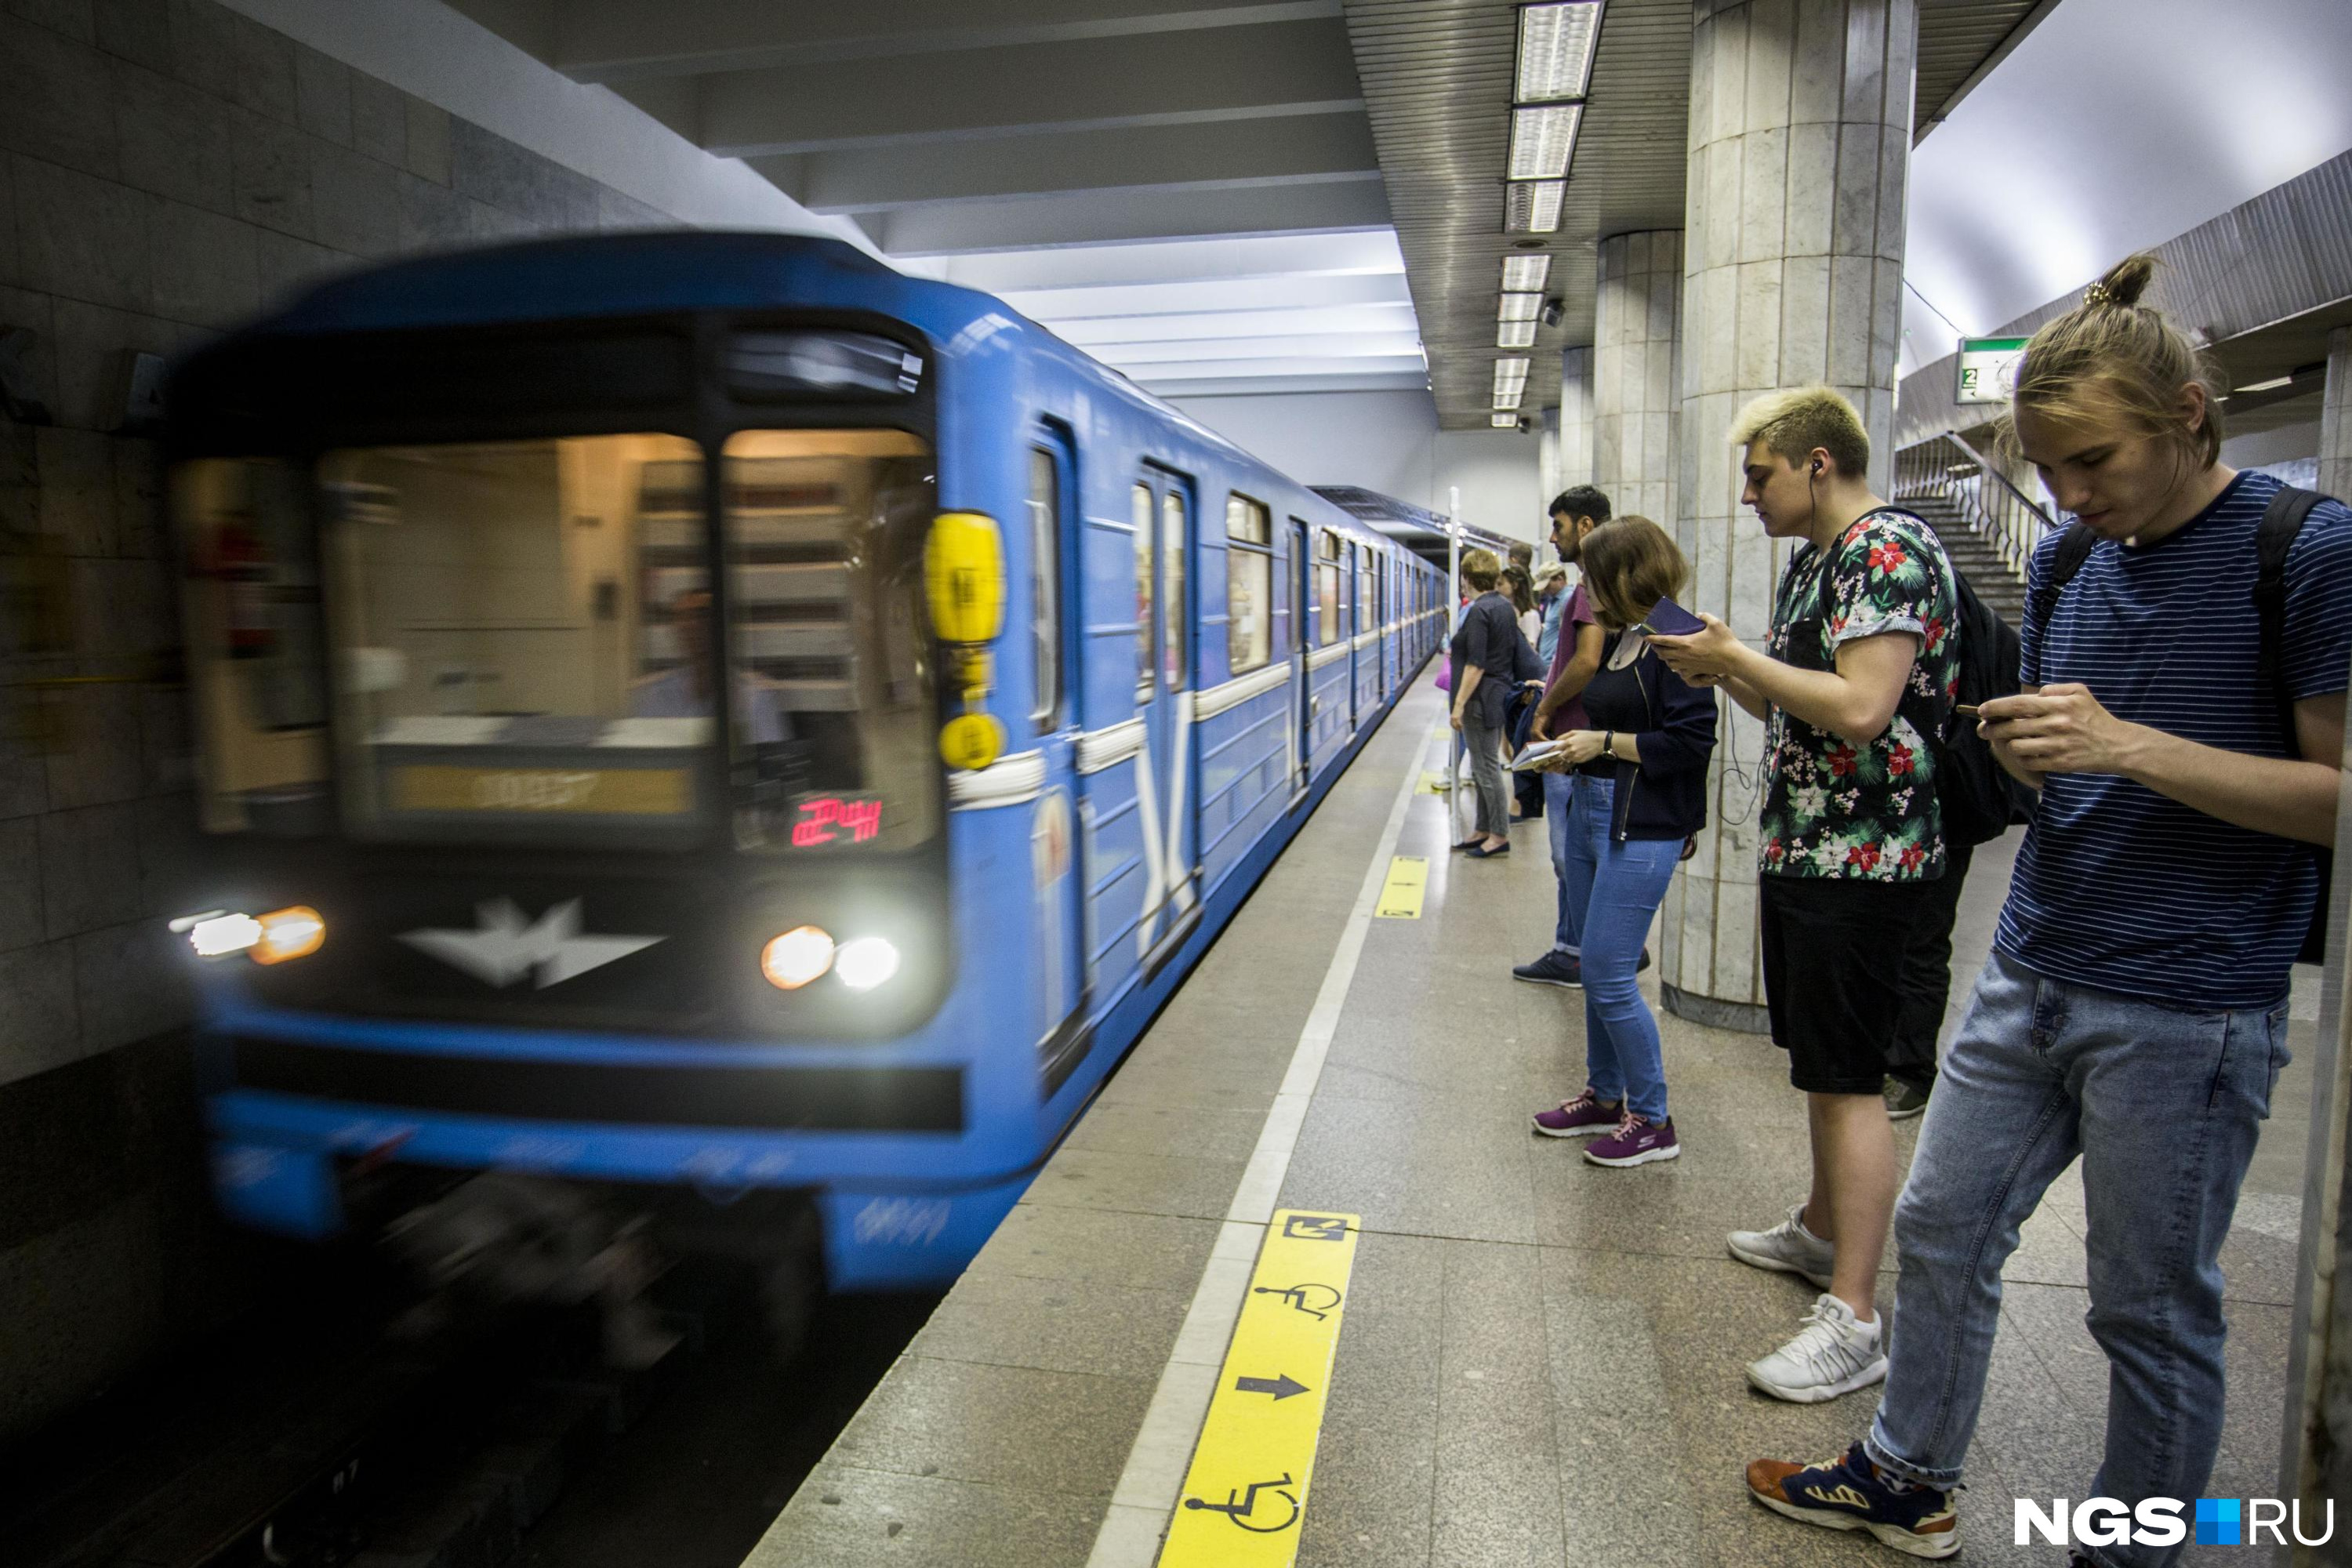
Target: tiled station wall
point(167, 167)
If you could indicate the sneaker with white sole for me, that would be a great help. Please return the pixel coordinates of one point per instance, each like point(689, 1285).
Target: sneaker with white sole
point(1834, 1353)
point(1852, 1493)
point(1636, 1142)
point(1788, 1247)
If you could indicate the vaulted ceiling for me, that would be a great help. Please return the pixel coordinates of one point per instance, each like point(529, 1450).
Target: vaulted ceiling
point(1213, 195)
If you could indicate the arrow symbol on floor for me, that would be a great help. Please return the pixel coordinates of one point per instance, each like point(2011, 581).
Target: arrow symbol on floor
point(1281, 1387)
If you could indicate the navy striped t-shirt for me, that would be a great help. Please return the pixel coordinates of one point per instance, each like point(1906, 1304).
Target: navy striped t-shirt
point(2119, 886)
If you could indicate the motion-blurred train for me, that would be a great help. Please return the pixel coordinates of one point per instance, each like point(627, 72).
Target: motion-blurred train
point(708, 718)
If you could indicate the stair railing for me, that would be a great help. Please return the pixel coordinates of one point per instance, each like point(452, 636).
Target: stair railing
point(1996, 511)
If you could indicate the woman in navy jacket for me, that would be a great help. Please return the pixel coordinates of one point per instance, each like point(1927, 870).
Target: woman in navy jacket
point(1640, 792)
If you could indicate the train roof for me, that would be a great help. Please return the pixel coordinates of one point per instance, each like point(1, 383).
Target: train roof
point(664, 272)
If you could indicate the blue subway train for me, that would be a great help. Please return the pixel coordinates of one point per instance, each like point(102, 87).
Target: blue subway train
point(708, 718)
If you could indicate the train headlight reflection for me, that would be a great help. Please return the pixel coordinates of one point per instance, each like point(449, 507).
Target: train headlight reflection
point(797, 957)
point(867, 963)
point(295, 932)
point(220, 933)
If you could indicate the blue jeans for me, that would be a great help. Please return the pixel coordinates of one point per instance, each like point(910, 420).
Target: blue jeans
point(1569, 924)
point(2164, 1107)
point(1615, 889)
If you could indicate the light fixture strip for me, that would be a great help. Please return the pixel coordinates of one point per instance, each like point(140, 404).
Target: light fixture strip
point(1504, 421)
point(1556, 45)
point(1515, 334)
point(1543, 140)
point(1533, 209)
point(1526, 272)
point(1520, 307)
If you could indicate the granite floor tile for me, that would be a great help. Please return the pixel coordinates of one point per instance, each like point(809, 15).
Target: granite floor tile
point(847, 1517)
point(1145, 1252)
point(1426, 1169)
point(1054, 1325)
point(1138, 1183)
point(1132, 1127)
point(1021, 1428)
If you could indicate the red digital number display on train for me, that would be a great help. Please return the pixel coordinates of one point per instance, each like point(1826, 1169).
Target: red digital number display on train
point(822, 820)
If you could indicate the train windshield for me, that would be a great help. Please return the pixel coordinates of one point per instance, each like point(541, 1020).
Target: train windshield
point(520, 641)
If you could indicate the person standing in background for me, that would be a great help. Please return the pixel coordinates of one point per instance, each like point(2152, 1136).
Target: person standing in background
point(1576, 654)
point(1485, 654)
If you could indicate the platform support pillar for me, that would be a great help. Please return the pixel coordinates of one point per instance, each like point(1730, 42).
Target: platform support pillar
point(1792, 273)
point(1637, 395)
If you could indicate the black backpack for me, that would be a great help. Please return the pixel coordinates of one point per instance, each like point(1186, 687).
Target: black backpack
point(2274, 538)
point(1977, 799)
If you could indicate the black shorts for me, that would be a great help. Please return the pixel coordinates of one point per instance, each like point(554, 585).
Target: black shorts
point(1834, 975)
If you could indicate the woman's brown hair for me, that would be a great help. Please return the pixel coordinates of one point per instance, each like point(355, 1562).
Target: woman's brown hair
point(2114, 360)
point(1634, 565)
point(1518, 588)
point(1480, 568)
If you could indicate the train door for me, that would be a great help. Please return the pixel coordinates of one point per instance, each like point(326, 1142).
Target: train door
point(1351, 587)
point(1163, 514)
point(1303, 642)
point(1058, 882)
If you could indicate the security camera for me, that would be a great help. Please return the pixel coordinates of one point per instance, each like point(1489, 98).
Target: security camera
point(1553, 309)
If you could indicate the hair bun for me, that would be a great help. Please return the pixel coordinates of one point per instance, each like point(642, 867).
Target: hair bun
point(2124, 282)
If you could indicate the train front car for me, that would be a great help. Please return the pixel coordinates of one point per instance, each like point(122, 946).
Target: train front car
point(570, 701)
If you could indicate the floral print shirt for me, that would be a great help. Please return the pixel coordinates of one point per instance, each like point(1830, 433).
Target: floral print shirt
point(1832, 808)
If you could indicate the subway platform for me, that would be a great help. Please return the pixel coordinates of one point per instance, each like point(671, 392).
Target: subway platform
point(1538, 1360)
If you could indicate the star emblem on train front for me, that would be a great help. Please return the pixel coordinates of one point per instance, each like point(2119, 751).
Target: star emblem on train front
point(504, 948)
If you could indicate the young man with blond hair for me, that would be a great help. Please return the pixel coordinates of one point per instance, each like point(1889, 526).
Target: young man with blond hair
point(1855, 689)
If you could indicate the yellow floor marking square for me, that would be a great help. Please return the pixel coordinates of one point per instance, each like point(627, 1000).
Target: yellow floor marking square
point(1401, 895)
point(1247, 1491)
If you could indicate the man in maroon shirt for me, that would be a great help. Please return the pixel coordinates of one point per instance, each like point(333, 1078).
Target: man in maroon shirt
point(1576, 654)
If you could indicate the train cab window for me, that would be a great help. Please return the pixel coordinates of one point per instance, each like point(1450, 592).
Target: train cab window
point(1175, 622)
point(1327, 586)
point(1147, 652)
point(257, 666)
point(832, 687)
point(1045, 586)
point(1366, 603)
point(1249, 584)
point(521, 643)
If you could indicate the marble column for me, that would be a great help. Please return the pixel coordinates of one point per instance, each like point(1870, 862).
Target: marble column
point(2336, 417)
point(1575, 419)
point(1636, 401)
point(1792, 273)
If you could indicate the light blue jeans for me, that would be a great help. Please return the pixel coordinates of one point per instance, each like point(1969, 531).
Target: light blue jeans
point(1615, 889)
point(1567, 925)
point(2163, 1106)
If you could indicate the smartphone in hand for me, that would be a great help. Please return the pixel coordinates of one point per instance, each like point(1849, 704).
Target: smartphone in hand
point(1669, 619)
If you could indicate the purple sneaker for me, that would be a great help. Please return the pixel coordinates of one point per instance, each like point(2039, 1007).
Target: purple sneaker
point(1578, 1117)
point(1635, 1142)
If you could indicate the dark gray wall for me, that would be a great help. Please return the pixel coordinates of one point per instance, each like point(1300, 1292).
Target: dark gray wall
point(167, 168)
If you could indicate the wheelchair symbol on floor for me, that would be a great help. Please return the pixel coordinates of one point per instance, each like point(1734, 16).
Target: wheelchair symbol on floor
point(1300, 1296)
point(1316, 1227)
point(1242, 1508)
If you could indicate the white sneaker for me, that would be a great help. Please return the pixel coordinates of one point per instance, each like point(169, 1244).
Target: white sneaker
point(1836, 1354)
point(1788, 1247)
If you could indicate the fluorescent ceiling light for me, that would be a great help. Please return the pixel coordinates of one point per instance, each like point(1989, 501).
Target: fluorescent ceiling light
point(1520, 307)
point(1510, 381)
point(1504, 421)
point(1515, 334)
point(2271, 385)
point(1556, 50)
point(1533, 209)
point(1542, 141)
point(1522, 272)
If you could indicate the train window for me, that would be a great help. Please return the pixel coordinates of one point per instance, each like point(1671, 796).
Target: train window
point(769, 366)
point(521, 642)
point(1327, 586)
point(1175, 623)
point(830, 685)
point(1365, 602)
point(1249, 584)
point(257, 666)
point(1139, 514)
point(1046, 583)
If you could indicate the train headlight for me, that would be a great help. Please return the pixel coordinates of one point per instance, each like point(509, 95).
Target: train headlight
point(219, 933)
point(865, 963)
point(289, 933)
point(797, 957)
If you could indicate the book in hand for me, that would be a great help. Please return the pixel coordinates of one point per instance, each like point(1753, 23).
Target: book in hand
point(1530, 760)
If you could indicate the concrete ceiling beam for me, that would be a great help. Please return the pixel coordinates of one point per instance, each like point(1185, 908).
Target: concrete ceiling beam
point(1275, 69)
point(620, 40)
point(1142, 303)
point(1305, 149)
point(1091, 219)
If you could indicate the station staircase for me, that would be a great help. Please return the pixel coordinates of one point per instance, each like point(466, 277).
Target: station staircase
point(1988, 526)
